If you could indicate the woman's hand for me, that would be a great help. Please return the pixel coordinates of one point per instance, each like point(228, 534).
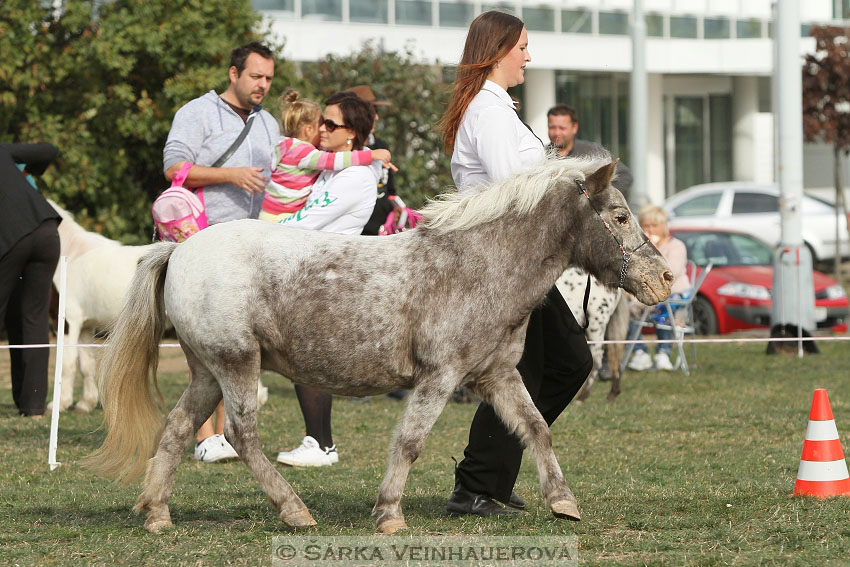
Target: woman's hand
point(384, 157)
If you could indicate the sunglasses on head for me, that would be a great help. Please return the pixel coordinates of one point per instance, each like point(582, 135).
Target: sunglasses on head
point(331, 126)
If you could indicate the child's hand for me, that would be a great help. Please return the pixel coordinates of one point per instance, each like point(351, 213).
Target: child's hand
point(384, 157)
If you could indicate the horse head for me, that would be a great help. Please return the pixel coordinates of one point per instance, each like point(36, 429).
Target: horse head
point(615, 249)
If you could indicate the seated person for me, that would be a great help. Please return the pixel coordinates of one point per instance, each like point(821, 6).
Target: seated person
point(653, 221)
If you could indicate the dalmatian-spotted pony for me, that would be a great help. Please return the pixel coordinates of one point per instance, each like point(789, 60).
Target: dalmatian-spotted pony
point(312, 306)
point(606, 317)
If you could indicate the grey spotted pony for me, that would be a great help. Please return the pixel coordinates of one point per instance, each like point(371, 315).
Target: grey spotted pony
point(247, 295)
point(607, 317)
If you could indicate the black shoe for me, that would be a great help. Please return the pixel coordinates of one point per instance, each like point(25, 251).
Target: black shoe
point(515, 501)
point(463, 502)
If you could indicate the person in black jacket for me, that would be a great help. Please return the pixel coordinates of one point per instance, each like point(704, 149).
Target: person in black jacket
point(29, 251)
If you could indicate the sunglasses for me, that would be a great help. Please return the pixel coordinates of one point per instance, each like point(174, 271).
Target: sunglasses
point(331, 126)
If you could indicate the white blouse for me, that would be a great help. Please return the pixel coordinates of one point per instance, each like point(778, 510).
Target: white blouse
point(492, 142)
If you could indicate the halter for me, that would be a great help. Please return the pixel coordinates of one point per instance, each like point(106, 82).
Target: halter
point(627, 256)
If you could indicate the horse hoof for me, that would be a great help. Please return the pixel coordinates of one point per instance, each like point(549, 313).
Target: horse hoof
point(300, 519)
point(565, 509)
point(82, 407)
point(391, 526)
point(156, 526)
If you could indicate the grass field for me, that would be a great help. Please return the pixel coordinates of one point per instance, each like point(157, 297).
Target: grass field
point(678, 471)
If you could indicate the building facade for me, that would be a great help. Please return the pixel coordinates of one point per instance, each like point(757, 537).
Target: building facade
point(710, 64)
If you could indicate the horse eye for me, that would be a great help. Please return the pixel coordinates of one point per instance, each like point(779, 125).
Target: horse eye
point(622, 219)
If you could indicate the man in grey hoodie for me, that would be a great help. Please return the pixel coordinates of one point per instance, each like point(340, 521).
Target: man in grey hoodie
point(205, 127)
point(202, 130)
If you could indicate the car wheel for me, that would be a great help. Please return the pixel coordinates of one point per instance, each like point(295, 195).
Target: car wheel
point(705, 321)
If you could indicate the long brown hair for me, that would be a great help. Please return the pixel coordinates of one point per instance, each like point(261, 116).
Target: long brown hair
point(491, 36)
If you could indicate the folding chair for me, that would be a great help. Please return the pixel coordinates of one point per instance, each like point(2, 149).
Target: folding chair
point(681, 326)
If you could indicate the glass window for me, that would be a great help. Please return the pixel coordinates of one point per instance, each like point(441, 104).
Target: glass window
point(614, 23)
point(500, 6)
point(576, 21)
point(683, 26)
point(654, 25)
point(716, 28)
point(747, 29)
point(413, 12)
point(456, 14)
point(328, 10)
point(689, 134)
point(805, 30)
point(370, 11)
point(746, 203)
point(751, 251)
point(539, 19)
point(284, 5)
point(720, 143)
point(700, 206)
point(842, 11)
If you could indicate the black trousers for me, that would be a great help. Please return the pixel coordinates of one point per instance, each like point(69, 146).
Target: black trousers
point(26, 273)
point(554, 365)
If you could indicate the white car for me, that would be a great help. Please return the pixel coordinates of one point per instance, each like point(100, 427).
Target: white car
point(754, 209)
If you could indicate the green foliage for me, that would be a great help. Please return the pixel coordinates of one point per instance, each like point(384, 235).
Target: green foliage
point(419, 96)
point(102, 81)
point(103, 86)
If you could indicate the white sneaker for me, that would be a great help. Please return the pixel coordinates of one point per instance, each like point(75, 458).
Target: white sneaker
point(309, 454)
point(640, 361)
point(214, 449)
point(662, 361)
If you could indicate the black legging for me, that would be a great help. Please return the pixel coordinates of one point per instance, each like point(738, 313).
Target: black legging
point(316, 407)
point(554, 365)
point(26, 273)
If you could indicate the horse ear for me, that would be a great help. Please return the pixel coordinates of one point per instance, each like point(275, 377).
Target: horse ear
point(601, 178)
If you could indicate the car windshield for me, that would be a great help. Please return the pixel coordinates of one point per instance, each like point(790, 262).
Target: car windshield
point(725, 249)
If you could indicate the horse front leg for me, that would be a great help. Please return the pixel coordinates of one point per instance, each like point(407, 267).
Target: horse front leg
point(69, 367)
point(515, 408)
point(424, 405)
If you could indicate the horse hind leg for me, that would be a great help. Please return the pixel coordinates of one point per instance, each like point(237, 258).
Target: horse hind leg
point(194, 407)
point(240, 429)
point(514, 406)
point(88, 366)
point(425, 403)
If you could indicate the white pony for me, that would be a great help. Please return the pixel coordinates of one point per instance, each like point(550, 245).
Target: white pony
point(98, 276)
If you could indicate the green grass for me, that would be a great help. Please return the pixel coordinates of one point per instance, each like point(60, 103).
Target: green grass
point(678, 471)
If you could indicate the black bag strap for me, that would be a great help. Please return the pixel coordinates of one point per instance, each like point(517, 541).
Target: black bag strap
point(238, 141)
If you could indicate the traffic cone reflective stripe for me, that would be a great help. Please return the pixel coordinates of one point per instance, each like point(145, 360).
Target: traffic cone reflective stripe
point(823, 470)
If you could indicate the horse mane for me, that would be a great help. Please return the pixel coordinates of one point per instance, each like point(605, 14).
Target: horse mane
point(519, 193)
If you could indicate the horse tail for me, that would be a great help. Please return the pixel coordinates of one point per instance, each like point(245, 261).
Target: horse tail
point(617, 330)
point(132, 417)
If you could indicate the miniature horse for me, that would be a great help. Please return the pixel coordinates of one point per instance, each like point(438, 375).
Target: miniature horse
point(312, 306)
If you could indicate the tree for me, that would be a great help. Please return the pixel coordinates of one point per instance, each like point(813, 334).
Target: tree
point(418, 95)
point(102, 81)
point(826, 104)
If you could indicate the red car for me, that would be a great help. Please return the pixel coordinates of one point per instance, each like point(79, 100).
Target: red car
point(736, 294)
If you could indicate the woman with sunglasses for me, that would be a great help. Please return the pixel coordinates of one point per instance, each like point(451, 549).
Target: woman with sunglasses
point(296, 162)
point(341, 202)
point(488, 141)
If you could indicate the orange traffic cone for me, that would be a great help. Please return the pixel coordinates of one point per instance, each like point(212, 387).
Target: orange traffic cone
point(823, 470)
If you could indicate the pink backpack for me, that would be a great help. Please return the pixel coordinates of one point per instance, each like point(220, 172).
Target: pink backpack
point(178, 212)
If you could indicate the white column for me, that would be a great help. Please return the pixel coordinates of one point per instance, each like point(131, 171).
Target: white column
point(539, 98)
point(745, 106)
point(638, 108)
point(655, 174)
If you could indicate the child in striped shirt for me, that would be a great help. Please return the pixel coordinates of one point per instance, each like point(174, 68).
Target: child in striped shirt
point(297, 162)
